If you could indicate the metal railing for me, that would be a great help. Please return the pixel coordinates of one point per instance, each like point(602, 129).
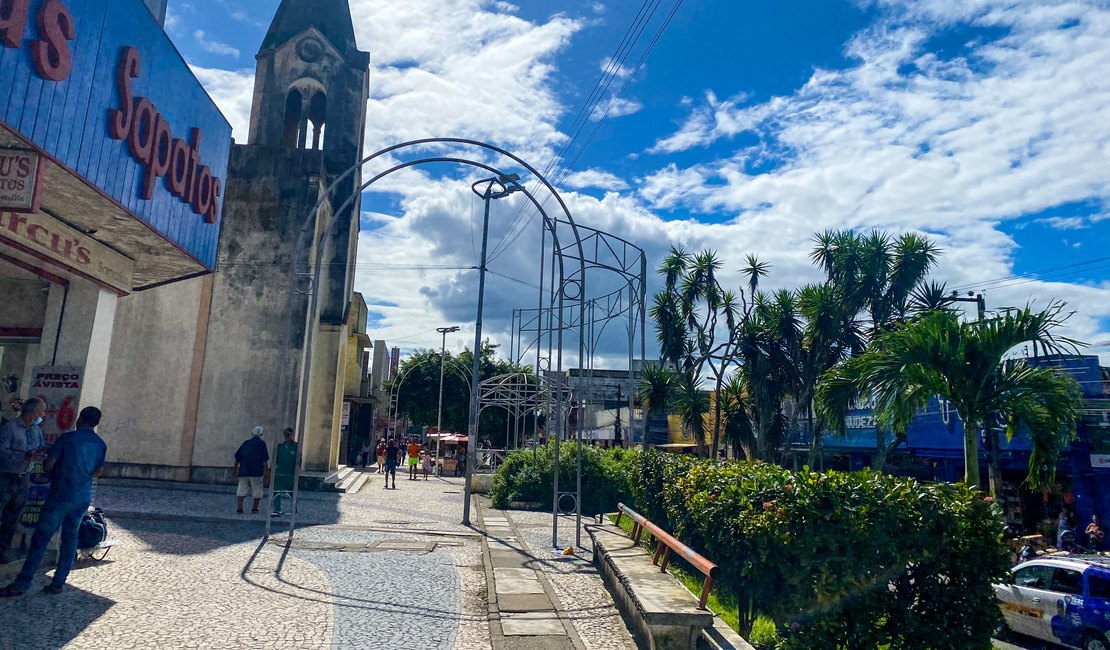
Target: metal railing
point(664, 544)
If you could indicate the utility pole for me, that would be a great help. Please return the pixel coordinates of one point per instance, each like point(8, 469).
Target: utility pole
point(991, 441)
point(439, 411)
point(507, 184)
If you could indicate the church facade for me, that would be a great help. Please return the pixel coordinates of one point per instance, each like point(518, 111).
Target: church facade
point(207, 359)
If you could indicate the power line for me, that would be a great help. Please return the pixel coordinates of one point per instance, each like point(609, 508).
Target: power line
point(1032, 274)
point(615, 65)
point(567, 168)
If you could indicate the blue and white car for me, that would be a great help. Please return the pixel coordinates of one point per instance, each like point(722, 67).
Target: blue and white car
point(1063, 600)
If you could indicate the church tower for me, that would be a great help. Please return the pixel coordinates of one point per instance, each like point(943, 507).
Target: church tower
point(307, 126)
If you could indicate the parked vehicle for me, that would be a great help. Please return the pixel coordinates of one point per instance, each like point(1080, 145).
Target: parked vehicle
point(1063, 600)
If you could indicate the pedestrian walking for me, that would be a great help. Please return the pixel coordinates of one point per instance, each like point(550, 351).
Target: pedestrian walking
point(365, 455)
point(414, 458)
point(285, 469)
point(21, 444)
point(426, 463)
point(73, 461)
point(252, 461)
point(392, 459)
point(381, 455)
point(460, 460)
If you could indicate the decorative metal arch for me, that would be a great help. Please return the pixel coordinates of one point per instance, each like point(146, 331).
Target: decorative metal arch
point(304, 267)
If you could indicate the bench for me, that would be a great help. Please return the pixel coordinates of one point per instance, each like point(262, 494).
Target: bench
point(657, 608)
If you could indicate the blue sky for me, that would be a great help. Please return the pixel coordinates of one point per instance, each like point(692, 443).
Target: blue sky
point(750, 126)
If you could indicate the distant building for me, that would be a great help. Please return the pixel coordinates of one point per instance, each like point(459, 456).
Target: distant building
point(934, 450)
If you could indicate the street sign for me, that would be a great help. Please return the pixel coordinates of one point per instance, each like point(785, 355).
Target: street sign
point(20, 180)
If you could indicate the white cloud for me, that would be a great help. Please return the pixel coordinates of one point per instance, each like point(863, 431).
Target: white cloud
point(614, 108)
point(214, 47)
point(902, 139)
point(611, 67)
point(906, 140)
point(233, 92)
point(595, 178)
point(1064, 223)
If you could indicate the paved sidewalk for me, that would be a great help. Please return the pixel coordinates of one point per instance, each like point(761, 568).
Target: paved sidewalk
point(394, 568)
point(545, 599)
point(376, 568)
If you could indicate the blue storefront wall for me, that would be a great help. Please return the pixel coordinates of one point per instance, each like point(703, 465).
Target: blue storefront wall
point(936, 434)
point(68, 120)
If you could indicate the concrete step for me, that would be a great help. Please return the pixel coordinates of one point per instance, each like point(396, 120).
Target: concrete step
point(360, 480)
point(335, 479)
point(349, 481)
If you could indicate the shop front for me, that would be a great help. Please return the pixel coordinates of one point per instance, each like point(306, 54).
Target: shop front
point(112, 160)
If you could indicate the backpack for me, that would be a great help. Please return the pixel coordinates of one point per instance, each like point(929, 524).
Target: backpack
point(93, 529)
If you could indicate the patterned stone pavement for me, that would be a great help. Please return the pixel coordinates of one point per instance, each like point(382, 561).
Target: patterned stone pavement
point(580, 594)
point(374, 569)
point(393, 568)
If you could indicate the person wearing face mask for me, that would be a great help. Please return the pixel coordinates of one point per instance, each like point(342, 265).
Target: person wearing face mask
point(21, 443)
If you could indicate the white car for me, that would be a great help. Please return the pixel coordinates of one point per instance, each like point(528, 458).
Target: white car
point(1063, 600)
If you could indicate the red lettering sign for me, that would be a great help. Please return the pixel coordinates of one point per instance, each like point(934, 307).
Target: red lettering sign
point(51, 54)
point(138, 121)
point(151, 142)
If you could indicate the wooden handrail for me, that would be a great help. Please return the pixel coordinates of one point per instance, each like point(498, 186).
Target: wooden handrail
point(664, 544)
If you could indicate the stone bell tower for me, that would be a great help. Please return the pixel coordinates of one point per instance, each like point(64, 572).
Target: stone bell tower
point(307, 126)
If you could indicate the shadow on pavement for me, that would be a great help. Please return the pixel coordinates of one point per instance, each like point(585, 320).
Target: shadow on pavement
point(39, 621)
point(335, 599)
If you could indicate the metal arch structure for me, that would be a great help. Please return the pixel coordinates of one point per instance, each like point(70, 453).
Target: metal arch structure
point(520, 393)
point(568, 275)
point(395, 390)
point(609, 256)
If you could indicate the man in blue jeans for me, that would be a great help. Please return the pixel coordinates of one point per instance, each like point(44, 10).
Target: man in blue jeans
point(74, 460)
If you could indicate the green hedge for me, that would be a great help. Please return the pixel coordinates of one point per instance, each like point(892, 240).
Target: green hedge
point(837, 560)
point(834, 561)
point(527, 476)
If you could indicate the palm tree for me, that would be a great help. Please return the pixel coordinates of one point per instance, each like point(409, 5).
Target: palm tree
point(656, 393)
point(736, 410)
point(691, 404)
point(965, 363)
point(882, 279)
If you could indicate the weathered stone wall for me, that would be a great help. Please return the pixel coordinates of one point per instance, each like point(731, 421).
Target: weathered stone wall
point(150, 396)
point(270, 193)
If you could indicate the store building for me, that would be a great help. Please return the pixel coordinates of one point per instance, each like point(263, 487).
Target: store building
point(112, 168)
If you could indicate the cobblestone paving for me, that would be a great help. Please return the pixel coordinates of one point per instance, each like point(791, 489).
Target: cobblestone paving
point(194, 583)
point(164, 589)
point(581, 593)
point(435, 504)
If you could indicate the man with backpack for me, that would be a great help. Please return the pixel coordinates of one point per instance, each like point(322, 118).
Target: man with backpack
point(73, 461)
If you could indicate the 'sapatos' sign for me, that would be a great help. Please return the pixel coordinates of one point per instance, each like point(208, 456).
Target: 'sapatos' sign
point(152, 142)
point(20, 180)
point(46, 237)
point(150, 139)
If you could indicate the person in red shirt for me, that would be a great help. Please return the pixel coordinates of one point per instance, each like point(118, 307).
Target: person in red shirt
point(381, 455)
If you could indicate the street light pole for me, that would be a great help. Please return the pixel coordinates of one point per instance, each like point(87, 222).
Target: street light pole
point(508, 184)
point(439, 412)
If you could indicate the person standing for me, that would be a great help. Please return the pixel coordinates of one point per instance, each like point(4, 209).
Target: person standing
point(285, 469)
point(73, 461)
point(392, 459)
point(426, 463)
point(381, 455)
point(414, 458)
point(252, 460)
point(21, 443)
point(1095, 534)
point(365, 455)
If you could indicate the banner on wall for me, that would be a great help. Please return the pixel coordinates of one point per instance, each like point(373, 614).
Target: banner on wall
point(59, 387)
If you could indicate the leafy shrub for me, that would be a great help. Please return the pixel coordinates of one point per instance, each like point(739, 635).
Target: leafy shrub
point(838, 560)
point(527, 476)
